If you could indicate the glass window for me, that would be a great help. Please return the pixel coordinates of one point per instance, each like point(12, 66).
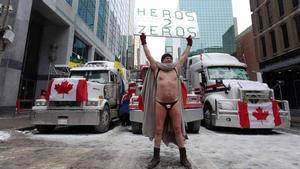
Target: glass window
point(269, 11)
point(273, 39)
point(297, 21)
point(79, 74)
point(260, 20)
point(226, 72)
point(263, 44)
point(281, 7)
point(214, 20)
point(99, 76)
point(295, 3)
point(285, 36)
point(80, 48)
point(258, 2)
point(86, 11)
point(98, 57)
point(102, 13)
point(69, 2)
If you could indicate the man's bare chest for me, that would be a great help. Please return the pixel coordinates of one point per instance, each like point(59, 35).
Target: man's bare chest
point(167, 76)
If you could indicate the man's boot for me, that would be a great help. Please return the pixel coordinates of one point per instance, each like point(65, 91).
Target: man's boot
point(183, 160)
point(155, 160)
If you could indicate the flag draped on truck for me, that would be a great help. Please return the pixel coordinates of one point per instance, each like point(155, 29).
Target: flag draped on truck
point(263, 116)
point(61, 89)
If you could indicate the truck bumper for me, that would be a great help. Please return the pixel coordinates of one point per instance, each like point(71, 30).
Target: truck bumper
point(136, 116)
point(189, 115)
point(234, 122)
point(65, 117)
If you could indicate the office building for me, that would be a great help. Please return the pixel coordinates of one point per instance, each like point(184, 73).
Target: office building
point(276, 28)
point(215, 22)
point(51, 32)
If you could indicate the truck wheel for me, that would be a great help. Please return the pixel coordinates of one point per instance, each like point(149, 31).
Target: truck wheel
point(194, 127)
point(208, 117)
point(44, 129)
point(136, 127)
point(104, 120)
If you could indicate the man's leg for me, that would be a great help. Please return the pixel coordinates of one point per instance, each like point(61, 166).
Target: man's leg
point(160, 116)
point(175, 115)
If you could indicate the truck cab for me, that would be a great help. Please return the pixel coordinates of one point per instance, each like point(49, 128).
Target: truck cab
point(90, 96)
point(224, 85)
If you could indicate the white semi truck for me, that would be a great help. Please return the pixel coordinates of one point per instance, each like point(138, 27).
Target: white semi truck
point(89, 97)
point(229, 98)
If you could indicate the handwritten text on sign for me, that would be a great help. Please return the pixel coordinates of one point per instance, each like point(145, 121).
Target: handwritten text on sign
point(167, 23)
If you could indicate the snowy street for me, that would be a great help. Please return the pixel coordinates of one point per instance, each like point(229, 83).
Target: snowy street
point(120, 149)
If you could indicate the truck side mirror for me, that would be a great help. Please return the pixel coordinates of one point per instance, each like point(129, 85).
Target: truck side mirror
point(200, 77)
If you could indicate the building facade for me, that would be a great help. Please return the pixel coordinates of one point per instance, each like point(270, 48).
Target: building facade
point(245, 52)
point(276, 28)
point(50, 32)
point(215, 21)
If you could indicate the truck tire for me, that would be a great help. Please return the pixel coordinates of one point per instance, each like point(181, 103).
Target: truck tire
point(44, 129)
point(136, 127)
point(208, 117)
point(194, 127)
point(104, 120)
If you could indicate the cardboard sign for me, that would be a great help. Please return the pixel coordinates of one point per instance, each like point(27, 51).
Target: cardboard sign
point(166, 23)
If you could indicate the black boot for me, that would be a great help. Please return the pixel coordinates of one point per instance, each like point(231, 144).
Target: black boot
point(183, 160)
point(155, 160)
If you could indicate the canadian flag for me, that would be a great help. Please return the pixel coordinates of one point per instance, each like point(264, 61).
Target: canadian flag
point(67, 89)
point(266, 115)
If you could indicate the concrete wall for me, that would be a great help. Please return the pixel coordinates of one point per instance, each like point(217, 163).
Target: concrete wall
point(11, 65)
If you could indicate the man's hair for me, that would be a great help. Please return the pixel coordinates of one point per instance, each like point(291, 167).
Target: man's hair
point(165, 55)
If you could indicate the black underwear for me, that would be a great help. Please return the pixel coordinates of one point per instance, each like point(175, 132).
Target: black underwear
point(167, 106)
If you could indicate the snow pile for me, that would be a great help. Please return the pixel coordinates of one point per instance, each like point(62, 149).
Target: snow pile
point(4, 136)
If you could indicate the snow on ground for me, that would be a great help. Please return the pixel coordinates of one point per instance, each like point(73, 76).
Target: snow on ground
point(208, 149)
point(4, 136)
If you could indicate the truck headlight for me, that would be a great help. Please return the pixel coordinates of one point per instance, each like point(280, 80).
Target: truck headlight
point(92, 103)
point(40, 103)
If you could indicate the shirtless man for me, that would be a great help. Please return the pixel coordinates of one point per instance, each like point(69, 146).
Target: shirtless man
point(167, 101)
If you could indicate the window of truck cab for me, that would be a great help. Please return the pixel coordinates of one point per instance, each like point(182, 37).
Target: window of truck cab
point(98, 76)
point(227, 72)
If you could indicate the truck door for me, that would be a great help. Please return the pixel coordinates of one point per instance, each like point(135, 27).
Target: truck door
point(111, 89)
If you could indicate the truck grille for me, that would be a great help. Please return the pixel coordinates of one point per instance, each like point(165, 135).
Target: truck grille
point(256, 96)
point(65, 104)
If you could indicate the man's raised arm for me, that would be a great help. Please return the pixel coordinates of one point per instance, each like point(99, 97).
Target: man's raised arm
point(147, 52)
point(186, 52)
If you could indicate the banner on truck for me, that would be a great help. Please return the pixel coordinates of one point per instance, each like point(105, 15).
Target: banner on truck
point(165, 23)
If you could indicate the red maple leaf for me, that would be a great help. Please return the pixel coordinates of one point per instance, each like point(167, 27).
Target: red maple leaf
point(63, 88)
point(260, 114)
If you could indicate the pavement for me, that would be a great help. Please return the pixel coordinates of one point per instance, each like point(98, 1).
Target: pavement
point(19, 121)
point(22, 121)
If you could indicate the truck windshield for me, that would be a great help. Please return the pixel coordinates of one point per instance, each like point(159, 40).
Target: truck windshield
point(226, 72)
point(99, 76)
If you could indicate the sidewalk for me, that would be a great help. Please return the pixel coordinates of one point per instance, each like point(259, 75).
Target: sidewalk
point(15, 122)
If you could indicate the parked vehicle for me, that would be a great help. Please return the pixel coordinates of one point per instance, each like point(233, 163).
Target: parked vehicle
point(89, 97)
point(229, 98)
